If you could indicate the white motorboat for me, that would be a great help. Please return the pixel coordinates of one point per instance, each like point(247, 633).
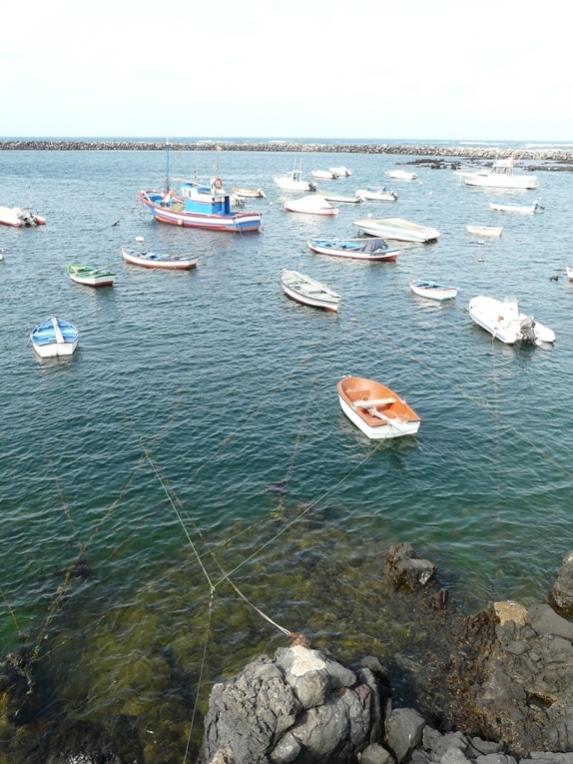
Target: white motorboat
point(397, 229)
point(375, 409)
point(20, 218)
point(401, 175)
point(433, 291)
point(55, 337)
point(292, 181)
point(308, 291)
point(502, 319)
point(324, 175)
point(341, 172)
point(341, 198)
point(500, 175)
point(488, 231)
point(311, 205)
point(516, 209)
point(376, 195)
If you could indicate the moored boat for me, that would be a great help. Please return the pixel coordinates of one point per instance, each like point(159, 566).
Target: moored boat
point(500, 175)
point(341, 198)
point(433, 291)
point(249, 193)
point(375, 409)
point(89, 276)
point(307, 291)
point(293, 181)
point(516, 209)
point(569, 272)
point(488, 231)
point(54, 337)
point(376, 195)
point(311, 205)
point(356, 249)
point(196, 206)
point(502, 319)
point(154, 260)
point(17, 217)
point(401, 175)
point(324, 174)
point(397, 229)
point(341, 172)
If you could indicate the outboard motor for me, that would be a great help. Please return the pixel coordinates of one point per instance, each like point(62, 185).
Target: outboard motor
point(312, 186)
point(528, 331)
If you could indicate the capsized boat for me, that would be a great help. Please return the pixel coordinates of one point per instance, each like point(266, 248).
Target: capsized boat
point(324, 174)
point(488, 231)
point(516, 209)
point(17, 217)
point(249, 193)
point(89, 276)
point(55, 337)
point(308, 291)
point(153, 260)
point(356, 249)
point(375, 409)
point(401, 175)
point(500, 175)
point(292, 181)
point(433, 291)
point(341, 172)
point(341, 198)
point(311, 205)
point(397, 229)
point(502, 319)
point(200, 206)
point(376, 195)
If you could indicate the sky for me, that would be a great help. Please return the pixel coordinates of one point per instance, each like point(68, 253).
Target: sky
point(370, 69)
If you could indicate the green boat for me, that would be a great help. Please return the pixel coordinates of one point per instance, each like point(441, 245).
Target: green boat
point(89, 276)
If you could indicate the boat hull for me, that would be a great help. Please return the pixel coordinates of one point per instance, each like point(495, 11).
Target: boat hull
point(55, 350)
point(511, 182)
point(237, 222)
point(389, 256)
point(102, 281)
point(310, 301)
point(504, 321)
point(513, 209)
point(377, 433)
point(439, 294)
point(416, 234)
point(170, 265)
point(486, 231)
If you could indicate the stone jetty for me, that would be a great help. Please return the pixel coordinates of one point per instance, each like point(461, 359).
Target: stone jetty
point(424, 150)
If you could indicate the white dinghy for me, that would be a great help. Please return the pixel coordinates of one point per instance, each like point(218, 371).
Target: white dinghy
point(55, 337)
point(433, 291)
point(376, 195)
point(397, 229)
point(307, 291)
point(516, 209)
point(311, 205)
point(341, 172)
point(401, 175)
point(324, 175)
point(502, 319)
point(487, 231)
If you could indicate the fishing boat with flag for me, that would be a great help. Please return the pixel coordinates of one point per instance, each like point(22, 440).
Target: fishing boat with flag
point(198, 205)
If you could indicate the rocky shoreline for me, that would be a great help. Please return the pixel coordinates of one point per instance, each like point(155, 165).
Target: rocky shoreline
point(464, 152)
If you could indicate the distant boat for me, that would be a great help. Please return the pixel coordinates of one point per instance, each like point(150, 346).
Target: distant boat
point(433, 291)
point(376, 195)
point(569, 272)
point(401, 175)
point(55, 337)
point(487, 231)
point(20, 218)
point(88, 276)
point(292, 181)
point(341, 198)
point(397, 229)
point(356, 249)
point(500, 175)
point(502, 319)
point(308, 291)
point(375, 409)
point(311, 205)
point(341, 172)
point(516, 209)
point(153, 260)
point(249, 193)
point(324, 174)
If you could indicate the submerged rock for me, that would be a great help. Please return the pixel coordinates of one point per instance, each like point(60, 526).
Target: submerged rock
point(406, 571)
point(561, 593)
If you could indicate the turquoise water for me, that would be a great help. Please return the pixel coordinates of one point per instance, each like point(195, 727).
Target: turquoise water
point(217, 382)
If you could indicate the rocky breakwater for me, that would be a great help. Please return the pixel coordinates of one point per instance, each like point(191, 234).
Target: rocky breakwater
point(423, 150)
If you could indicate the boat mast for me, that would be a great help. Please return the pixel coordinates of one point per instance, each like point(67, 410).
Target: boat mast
point(167, 167)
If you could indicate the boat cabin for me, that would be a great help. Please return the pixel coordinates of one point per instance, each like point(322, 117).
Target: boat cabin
point(502, 167)
point(207, 200)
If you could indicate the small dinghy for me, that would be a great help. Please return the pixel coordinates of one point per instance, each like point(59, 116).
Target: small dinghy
point(569, 272)
point(341, 198)
point(341, 172)
point(375, 409)
point(293, 181)
point(516, 209)
point(89, 276)
point(397, 229)
point(487, 231)
point(20, 218)
point(502, 319)
point(153, 260)
point(311, 205)
point(55, 337)
point(376, 195)
point(249, 193)
point(356, 249)
point(433, 291)
point(401, 175)
point(308, 291)
point(324, 174)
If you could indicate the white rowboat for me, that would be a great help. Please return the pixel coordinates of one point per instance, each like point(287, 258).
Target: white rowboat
point(488, 231)
point(376, 195)
point(516, 209)
point(433, 291)
point(401, 175)
point(55, 337)
point(307, 291)
point(397, 229)
point(311, 205)
point(153, 260)
point(375, 409)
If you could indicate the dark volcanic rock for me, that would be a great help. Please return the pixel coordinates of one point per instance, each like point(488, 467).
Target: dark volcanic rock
point(513, 679)
point(561, 594)
point(405, 571)
point(404, 729)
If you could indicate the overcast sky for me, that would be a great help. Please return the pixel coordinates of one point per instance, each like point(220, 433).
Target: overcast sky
point(291, 68)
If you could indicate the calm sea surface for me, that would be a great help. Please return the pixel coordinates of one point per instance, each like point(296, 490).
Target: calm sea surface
point(207, 400)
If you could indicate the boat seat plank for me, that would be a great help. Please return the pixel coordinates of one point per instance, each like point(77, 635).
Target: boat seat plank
point(373, 403)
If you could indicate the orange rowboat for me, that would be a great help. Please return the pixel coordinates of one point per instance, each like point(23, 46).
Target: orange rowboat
point(375, 409)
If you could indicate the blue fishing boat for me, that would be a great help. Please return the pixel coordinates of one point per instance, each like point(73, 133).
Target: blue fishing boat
point(55, 337)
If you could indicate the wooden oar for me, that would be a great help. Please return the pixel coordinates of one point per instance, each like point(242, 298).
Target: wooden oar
point(398, 424)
